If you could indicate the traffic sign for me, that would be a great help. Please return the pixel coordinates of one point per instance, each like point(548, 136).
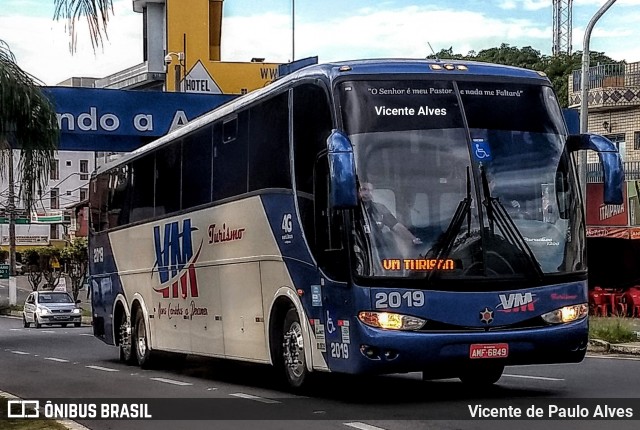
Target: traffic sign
point(5, 220)
point(4, 271)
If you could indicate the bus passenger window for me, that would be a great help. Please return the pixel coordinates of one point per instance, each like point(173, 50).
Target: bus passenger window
point(142, 179)
point(168, 179)
point(196, 170)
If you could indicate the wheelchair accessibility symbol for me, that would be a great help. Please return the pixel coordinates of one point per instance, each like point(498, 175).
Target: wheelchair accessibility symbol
point(481, 150)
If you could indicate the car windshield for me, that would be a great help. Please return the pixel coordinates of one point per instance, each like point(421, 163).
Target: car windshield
point(54, 298)
point(461, 180)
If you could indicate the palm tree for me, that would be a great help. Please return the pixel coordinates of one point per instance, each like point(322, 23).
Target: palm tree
point(96, 13)
point(27, 117)
point(27, 122)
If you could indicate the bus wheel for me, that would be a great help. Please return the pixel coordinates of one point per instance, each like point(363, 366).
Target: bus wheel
point(140, 341)
point(126, 351)
point(482, 376)
point(295, 368)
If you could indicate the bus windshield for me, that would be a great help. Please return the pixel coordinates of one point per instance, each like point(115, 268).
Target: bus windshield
point(461, 180)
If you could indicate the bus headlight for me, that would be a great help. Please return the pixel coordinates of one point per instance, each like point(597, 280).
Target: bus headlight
point(566, 314)
point(391, 321)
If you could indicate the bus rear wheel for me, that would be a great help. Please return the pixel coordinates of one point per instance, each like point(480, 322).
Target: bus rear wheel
point(126, 350)
point(293, 357)
point(482, 376)
point(140, 341)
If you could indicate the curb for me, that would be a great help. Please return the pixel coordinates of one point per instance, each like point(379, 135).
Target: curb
point(69, 424)
point(597, 345)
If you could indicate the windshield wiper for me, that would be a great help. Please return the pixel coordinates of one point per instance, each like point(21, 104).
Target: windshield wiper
point(496, 213)
point(442, 248)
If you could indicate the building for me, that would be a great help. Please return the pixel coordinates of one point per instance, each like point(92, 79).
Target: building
point(613, 230)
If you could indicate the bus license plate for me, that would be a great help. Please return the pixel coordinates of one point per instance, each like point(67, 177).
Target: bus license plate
point(492, 350)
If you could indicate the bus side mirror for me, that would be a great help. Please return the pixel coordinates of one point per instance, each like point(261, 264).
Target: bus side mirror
point(342, 172)
point(610, 161)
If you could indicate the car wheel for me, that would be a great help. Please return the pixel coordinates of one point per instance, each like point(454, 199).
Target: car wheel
point(36, 321)
point(76, 324)
point(25, 323)
point(63, 325)
point(126, 349)
point(140, 342)
point(292, 354)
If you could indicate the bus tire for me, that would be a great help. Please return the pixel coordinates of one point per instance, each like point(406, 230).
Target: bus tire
point(292, 357)
point(140, 341)
point(124, 343)
point(482, 376)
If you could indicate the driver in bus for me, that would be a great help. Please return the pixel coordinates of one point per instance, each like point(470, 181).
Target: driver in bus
point(380, 216)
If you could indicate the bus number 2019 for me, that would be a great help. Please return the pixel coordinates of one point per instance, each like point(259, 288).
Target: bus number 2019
point(395, 299)
point(340, 350)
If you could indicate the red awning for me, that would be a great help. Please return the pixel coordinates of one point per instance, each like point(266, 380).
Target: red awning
point(614, 232)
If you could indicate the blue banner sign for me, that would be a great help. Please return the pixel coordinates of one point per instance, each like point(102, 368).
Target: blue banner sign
point(120, 120)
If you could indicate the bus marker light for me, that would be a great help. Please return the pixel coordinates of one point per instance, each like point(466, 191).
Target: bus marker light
point(449, 67)
point(344, 68)
point(462, 67)
point(435, 67)
point(300, 292)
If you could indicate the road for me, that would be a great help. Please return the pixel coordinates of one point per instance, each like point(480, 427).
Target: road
point(70, 363)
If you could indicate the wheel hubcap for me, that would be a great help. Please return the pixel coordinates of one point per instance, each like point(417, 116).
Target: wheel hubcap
point(142, 338)
point(293, 350)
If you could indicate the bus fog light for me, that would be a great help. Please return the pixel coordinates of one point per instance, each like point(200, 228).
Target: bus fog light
point(391, 321)
point(567, 314)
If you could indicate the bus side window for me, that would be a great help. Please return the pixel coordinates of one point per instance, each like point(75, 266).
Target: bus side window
point(197, 159)
point(312, 125)
point(142, 180)
point(269, 144)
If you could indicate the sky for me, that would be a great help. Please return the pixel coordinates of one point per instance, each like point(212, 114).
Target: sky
point(333, 30)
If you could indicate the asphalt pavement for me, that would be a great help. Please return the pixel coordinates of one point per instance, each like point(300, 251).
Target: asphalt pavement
point(24, 288)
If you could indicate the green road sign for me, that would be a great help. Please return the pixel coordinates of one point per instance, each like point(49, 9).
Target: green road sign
point(4, 271)
point(5, 220)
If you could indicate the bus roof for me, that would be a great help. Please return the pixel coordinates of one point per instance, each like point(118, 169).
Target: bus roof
point(333, 71)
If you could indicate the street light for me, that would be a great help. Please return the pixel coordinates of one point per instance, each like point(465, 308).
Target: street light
point(584, 93)
point(177, 68)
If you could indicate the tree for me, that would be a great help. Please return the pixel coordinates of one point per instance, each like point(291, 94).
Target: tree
point(96, 13)
point(28, 123)
point(558, 68)
point(75, 259)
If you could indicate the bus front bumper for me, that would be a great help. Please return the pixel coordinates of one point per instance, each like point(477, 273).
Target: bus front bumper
point(386, 351)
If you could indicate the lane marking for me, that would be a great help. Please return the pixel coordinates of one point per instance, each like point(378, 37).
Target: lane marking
point(105, 369)
point(16, 329)
point(614, 357)
point(47, 331)
point(86, 334)
point(59, 360)
point(171, 381)
point(21, 352)
point(252, 397)
point(542, 378)
point(362, 426)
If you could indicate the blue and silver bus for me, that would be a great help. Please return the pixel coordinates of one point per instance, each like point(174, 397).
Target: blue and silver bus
point(372, 216)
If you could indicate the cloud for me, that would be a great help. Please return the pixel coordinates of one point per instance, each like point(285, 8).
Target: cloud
point(41, 45)
point(398, 32)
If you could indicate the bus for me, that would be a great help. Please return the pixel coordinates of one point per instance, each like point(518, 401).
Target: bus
point(361, 217)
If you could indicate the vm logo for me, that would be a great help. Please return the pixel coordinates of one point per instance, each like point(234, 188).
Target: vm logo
point(175, 260)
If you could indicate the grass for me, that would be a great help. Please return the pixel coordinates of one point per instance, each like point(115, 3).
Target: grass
point(26, 423)
point(614, 329)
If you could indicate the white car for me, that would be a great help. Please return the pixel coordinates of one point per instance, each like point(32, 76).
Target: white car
point(51, 307)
